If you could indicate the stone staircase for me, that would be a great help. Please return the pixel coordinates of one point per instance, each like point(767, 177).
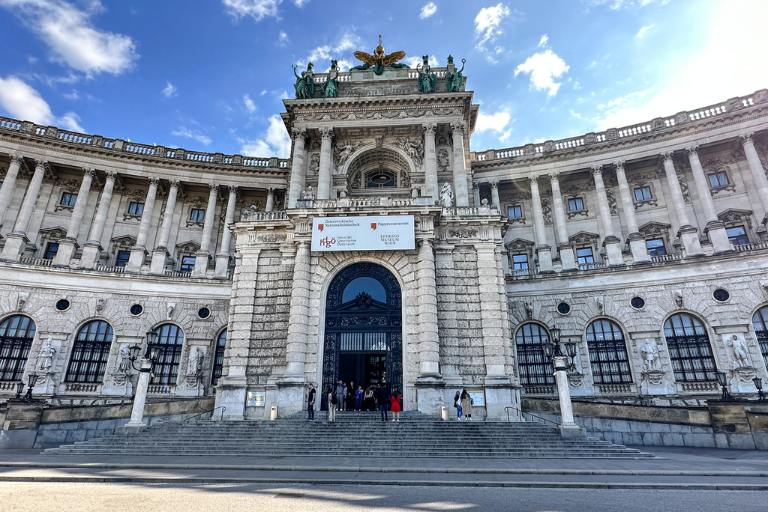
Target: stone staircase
point(352, 435)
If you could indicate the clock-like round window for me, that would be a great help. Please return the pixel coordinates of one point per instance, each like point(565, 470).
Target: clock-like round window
point(380, 179)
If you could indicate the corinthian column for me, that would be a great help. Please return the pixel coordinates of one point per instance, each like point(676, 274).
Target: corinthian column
point(92, 248)
point(714, 227)
point(139, 250)
point(543, 250)
point(298, 316)
point(567, 258)
point(758, 173)
point(222, 257)
point(298, 171)
point(459, 169)
point(204, 254)
point(430, 161)
point(68, 246)
point(161, 253)
point(324, 173)
point(611, 242)
point(634, 238)
point(17, 240)
point(9, 185)
point(688, 234)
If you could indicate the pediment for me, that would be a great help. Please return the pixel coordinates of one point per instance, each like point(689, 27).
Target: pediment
point(653, 227)
point(124, 241)
point(734, 215)
point(583, 237)
point(188, 246)
point(53, 233)
point(520, 244)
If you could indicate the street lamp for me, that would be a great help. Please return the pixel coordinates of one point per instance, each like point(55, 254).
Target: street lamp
point(19, 388)
point(722, 379)
point(31, 381)
point(759, 385)
point(560, 363)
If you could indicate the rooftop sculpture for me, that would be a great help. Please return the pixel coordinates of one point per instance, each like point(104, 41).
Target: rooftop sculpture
point(379, 61)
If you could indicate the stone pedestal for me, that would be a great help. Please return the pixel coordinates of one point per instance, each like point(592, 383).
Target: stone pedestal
point(430, 392)
point(290, 396)
point(90, 256)
point(718, 237)
point(567, 258)
point(689, 236)
point(613, 251)
point(638, 248)
point(159, 258)
point(544, 255)
point(67, 249)
point(201, 265)
point(222, 266)
point(15, 243)
point(500, 393)
point(230, 393)
point(140, 397)
point(136, 260)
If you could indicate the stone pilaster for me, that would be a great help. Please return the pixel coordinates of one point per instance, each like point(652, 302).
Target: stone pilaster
point(611, 242)
point(429, 340)
point(222, 258)
point(567, 257)
point(491, 311)
point(476, 194)
point(92, 248)
point(634, 238)
point(161, 253)
point(296, 346)
point(270, 200)
point(758, 173)
point(459, 166)
point(430, 161)
point(714, 227)
point(68, 246)
point(139, 251)
point(688, 234)
point(298, 170)
point(324, 173)
point(9, 185)
point(17, 240)
point(204, 254)
point(543, 250)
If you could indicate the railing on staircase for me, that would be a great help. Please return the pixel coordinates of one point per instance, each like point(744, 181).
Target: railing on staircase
point(200, 415)
point(525, 414)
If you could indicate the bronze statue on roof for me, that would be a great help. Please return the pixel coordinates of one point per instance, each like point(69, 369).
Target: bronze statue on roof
point(379, 61)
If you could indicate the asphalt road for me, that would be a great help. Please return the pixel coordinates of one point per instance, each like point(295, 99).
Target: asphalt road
point(113, 497)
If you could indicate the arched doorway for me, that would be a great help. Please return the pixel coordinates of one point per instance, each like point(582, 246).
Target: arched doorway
point(363, 329)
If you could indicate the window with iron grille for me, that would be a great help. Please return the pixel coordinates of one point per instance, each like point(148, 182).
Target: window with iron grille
point(608, 353)
point(51, 248)
point(90, 353)
point(16, 335)
point(68, 199)
point(168, 344)
point(515, 212)
point(760, 323)
point(643, 193)
point(655, 247)
point(584, 255)
point(689, 349)
point(534, 367)
point(718, 179)
point(737, 235)
point(575, 204)
point(218, 357)
point(135, 208)
point(520, 261)
point(187, 263)
point(197, 214)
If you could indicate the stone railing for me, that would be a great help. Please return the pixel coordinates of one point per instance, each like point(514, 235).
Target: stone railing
point(118, 146)
point(159, 389)
point(111, 269)
point(468, 211)
point(615, 389)
point(700, 387)
point(72, 387)
point(35, 262)
point(627, 132)
point(539, 389)
point(8, 385)
point(249, 215)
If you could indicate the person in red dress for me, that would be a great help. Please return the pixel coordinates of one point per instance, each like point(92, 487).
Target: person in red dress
point(394, 406)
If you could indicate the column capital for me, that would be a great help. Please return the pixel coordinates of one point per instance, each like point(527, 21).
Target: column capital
point(326, 132)
point(15, 156)
point(458, 127)
point(297, 133)
point(154, 180)
point(213, 187)
point(747, 138)
point(175, 183)
point(533, 180)
point(693, 149)
point(494, 184)
point(554, 177)
point(619, 164)
point(89, 171)
point(44, 164)
point(667, 156)
point(233, 188)
point(597, 170)
point(430, 128)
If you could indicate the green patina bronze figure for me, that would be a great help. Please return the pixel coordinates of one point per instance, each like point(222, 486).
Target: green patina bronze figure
point(332, 84)
point(427, 79)
point(305, 84)
point(454, 77)
point(379, 61)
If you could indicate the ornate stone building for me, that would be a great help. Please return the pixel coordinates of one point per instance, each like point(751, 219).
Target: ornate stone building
point(646, 246)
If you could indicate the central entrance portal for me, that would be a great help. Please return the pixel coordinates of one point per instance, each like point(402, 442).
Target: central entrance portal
point(363, 329)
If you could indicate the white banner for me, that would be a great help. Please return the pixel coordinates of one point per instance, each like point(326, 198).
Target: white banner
point(364, 233)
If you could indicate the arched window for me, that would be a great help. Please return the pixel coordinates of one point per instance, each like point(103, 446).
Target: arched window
point(689, 349)
point(16, 335)
point(760, 323)
point(535, 369)
point(168, 344)
point(608, 353)
point(218, 357)
point(90, 353)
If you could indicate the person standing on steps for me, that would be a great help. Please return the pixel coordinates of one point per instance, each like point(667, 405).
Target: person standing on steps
point(350, 396)
point(368, 399)
point(457, 405)
point(466, 404)
point(395, 406)
point(382, 399)
point(359, 398)
point(333, 402)
point(341, 392)
point(311, 402)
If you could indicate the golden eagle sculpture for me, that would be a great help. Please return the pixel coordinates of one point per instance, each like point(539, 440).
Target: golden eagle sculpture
point(379, 60)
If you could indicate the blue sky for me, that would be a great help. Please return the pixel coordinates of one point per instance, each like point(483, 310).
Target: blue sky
point(210, 75)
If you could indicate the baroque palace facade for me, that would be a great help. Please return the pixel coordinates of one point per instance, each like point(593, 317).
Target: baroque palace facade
point(645, 245)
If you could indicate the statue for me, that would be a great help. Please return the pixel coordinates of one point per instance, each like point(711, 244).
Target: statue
point(194, 362)
point(332, 84)
point(124, 362)
point(305, 84)
point(427, 79)
point(649, 352)
point(413, 149)
point(740, 352)
point(379, 60)
point(47, 353)
point(443, 158)
point(344, 152)
point(446, 195)
point(454, 78)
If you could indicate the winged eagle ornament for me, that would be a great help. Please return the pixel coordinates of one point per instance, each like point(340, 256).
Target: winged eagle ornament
point(379, 60)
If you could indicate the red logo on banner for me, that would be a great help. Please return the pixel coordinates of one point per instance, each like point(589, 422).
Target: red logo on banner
point(320, 227)
point(373, 226)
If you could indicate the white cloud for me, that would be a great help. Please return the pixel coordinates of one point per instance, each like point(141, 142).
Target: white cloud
point(429, 9)
point(23, 102)
point(188, 133)
point(282, 38)
point(71, 37)
point(320, 56)
point(416, 60)
point(71, 121)
point(274, 142)
point(72, 95)
point(616, 5)
point(248, 103)
point(256, 9)
point(488, 26)
point(300, 3)
point(543, 41)
point(169, 90)
point(643, 31)
point(544, 68)
point(498, 122)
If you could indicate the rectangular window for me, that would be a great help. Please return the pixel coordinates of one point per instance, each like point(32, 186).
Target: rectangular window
point(643, 193)
point(515, 212)
point(575, 204)
point(519, 261)
point(584, 255)
point(187, 264)
point(197, 214)
point(718, 179)
point(68, 199)
point(123, 255)
point(737, 235)
point(50, 250)
point(656, 247)
point(135, 208)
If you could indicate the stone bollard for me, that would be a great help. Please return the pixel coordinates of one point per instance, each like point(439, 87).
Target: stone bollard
point(443, 413)
point(273, 413)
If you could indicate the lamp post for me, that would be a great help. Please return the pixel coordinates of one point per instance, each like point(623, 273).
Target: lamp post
point(561, 363)
point(140, 393)
point(722, 379)
point(759, 385)
point(31, 381)
point(19, 389)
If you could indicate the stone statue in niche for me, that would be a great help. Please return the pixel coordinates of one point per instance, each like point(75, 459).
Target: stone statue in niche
point(195, 362)
point(739, 352)
point(446, 195)
point(649, 352)
point(413, 149)
point(528, 310)
point(314, 163)
point(443, 159)
point(47, 353)
point(343, 153)
point(170, 309)
point(679, 298)
point(124, 360)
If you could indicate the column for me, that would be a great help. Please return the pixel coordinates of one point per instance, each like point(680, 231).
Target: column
point(568, 427)
point(17, 240)
point(567, 257)
point(688, 234)
point(476, 194)
point(759, 180)
point(459, 170)
point(298, 171)
point(429, 341)
point(495, 201)
point(140, 396)
point(543, 250)
point(139, 250)
point(491, 312)
point(222, 258)
point(161, 253)
point(634, 239)
point(203, 255)
point(270, 200)
point(92, 248)
point(9, 185)
point(324, 173)
point(430, 162)
point(68, 246)
point(611, 242)
point(298, 316)
point(714, 227)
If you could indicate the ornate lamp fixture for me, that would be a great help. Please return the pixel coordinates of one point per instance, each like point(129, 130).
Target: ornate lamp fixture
point(759, 385)
point(722, 379)
point(31, 381)
point(19, 388)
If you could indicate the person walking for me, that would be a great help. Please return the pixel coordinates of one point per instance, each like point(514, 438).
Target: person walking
point(311, 402)
point(333, 402)
point(359, 398)
point(466, 404)
point(382, 400)
point(457, 405)
point(341, 392)
point(395, 406)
